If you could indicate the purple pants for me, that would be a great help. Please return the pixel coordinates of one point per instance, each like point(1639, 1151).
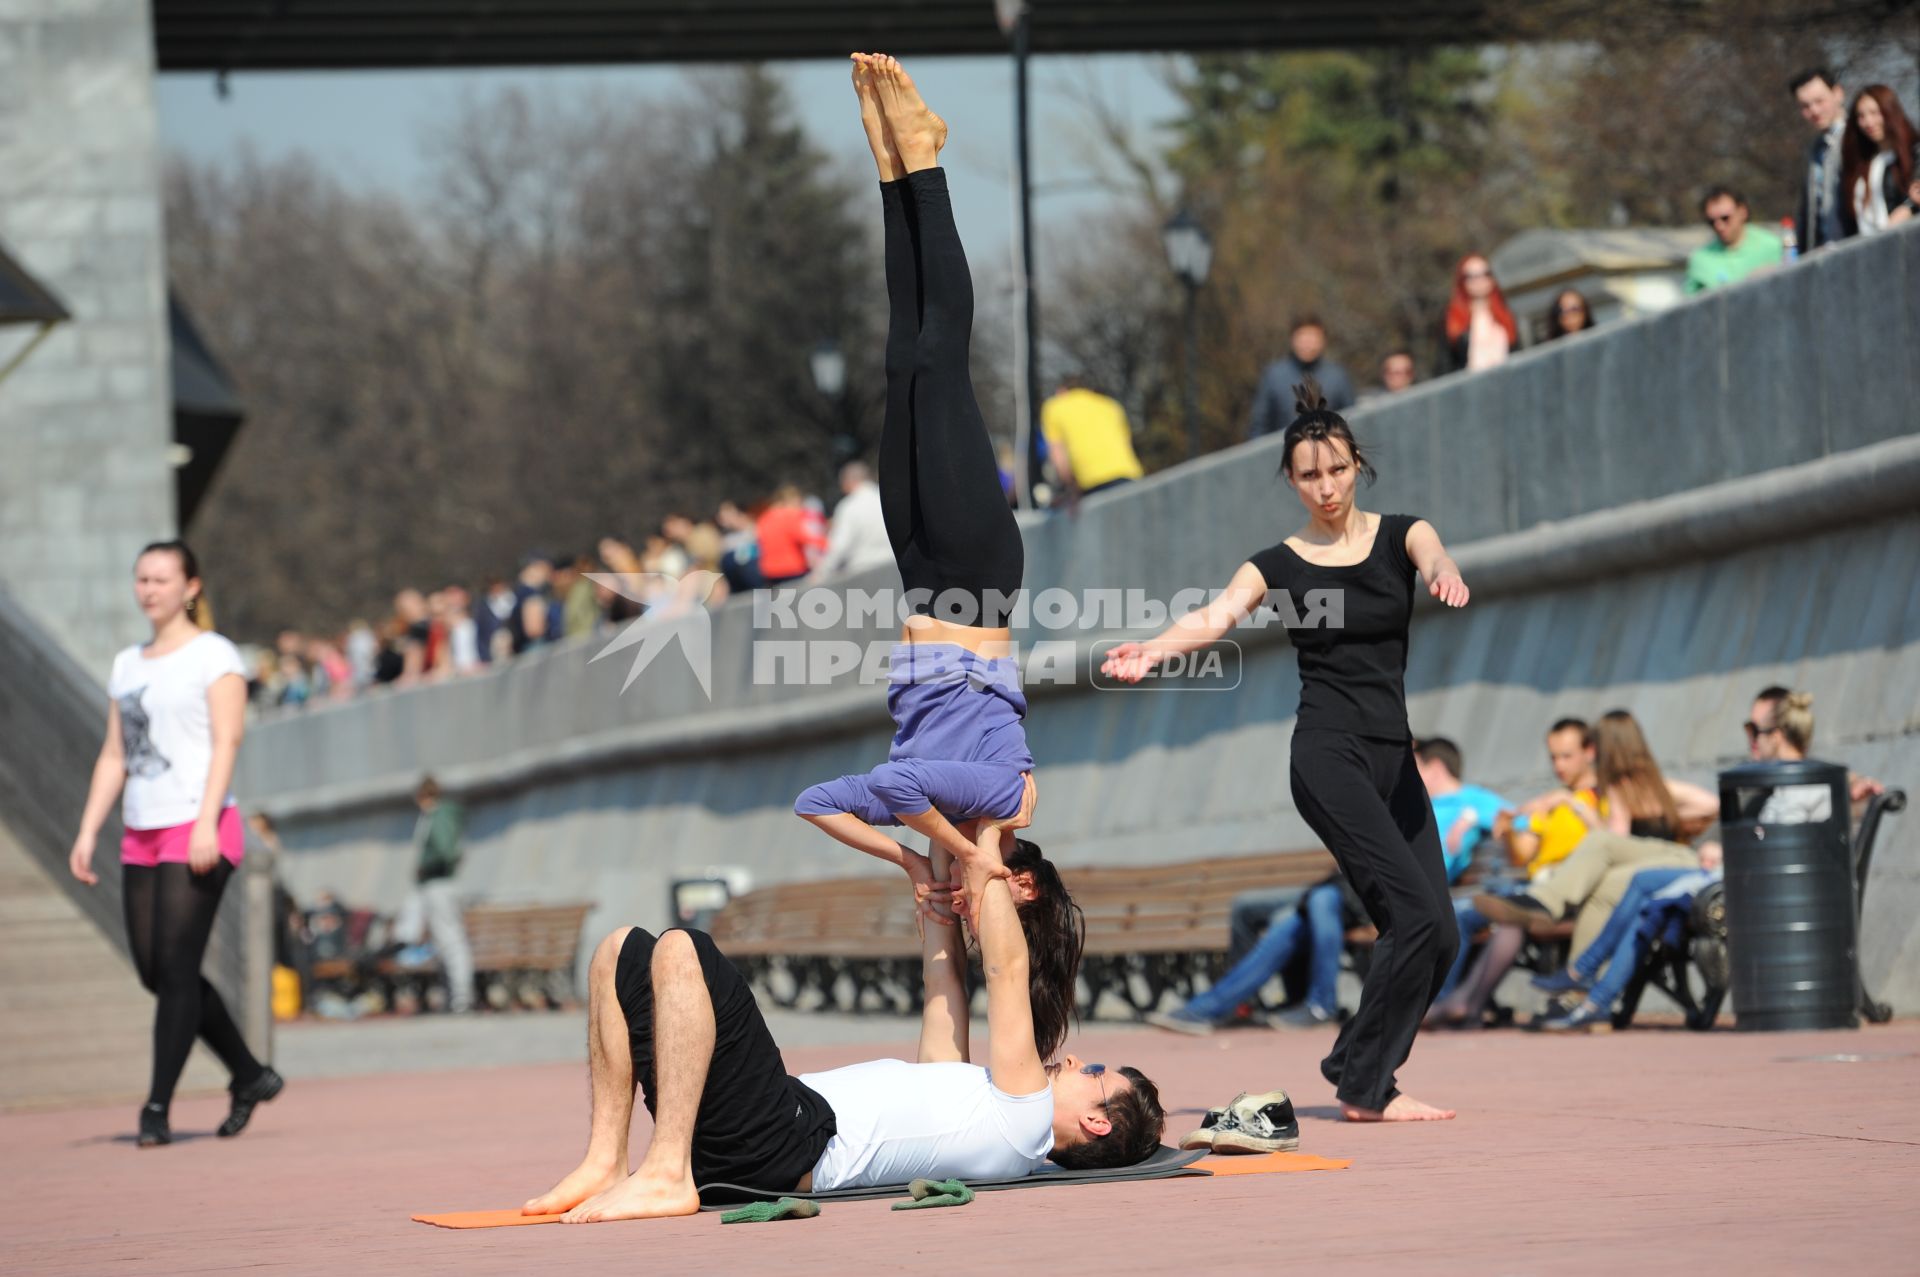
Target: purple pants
point(910, 786)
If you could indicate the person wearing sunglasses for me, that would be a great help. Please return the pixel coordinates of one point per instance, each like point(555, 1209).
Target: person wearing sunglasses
point(1480, 327)
point(1570, 314)
point(1736, 250)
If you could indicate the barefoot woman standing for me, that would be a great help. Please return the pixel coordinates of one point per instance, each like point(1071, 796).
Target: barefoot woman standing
point(1353, 774)
point(174, 723)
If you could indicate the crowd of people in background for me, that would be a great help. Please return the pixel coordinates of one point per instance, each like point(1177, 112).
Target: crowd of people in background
point(452, 632)
point(1862, 176)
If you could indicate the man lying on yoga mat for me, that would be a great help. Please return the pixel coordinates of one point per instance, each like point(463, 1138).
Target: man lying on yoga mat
point(672, 1014)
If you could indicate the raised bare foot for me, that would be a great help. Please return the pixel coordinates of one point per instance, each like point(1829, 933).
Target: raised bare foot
point(638, 1196)
point(1401, 1108)
point(885, 158)
point(582, 1182)
point(918, 134)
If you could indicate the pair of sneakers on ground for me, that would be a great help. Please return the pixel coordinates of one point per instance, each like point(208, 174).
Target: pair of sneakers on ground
point(1251, 1124)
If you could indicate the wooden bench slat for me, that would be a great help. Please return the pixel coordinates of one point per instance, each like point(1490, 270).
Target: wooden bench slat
point(1140, 909)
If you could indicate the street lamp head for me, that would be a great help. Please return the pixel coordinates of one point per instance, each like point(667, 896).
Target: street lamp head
point(1189, 249)
point(829, 369)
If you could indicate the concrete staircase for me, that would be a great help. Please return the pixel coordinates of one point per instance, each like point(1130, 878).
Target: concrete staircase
point(78, 1026)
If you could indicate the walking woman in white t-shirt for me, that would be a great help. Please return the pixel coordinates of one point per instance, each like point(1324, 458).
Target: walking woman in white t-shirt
point(175, 716)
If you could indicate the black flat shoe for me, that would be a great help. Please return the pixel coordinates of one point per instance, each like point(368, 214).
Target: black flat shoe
point(154, 1130)
point(245, 1098)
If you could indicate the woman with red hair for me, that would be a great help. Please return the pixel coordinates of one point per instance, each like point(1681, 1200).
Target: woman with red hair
point(1877, 161)
point(1480, 327)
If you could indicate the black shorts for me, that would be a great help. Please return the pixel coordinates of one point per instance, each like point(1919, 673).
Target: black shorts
point(757, 1125)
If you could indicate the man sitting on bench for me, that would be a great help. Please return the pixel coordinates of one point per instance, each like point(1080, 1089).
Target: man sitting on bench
point(672, 1014)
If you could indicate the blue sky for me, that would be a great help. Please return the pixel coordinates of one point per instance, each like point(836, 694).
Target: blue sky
point(366, 127)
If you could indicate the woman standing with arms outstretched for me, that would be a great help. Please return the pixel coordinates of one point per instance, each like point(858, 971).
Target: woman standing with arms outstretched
point(1354, 779)
point(174, 721)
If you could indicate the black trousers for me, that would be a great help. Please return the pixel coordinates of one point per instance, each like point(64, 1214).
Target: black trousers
point(757, 1126)
point(953, 535)
point(170, 912)
point(1365, 800)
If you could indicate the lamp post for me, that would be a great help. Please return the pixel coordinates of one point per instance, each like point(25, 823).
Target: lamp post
point(1015, 19)
point(1190, 254)
point(829, 367)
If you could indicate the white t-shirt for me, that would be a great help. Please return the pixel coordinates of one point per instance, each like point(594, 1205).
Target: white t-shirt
point(857, 539)
point(166, 731)
point(898, 1122)
point(1796, 805)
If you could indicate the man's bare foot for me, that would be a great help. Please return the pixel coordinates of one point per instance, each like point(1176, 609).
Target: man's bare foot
point(1401, 1108)
point(918, 134)
point(885, 158)
point(577, 1186)
point(638, 1196)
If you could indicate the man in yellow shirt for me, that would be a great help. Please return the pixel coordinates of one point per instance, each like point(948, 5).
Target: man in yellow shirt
point(1088, 439)
point(1540, 834)
point(1545, 830)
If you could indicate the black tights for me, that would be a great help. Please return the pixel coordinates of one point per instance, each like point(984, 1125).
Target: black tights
point(170, 912)
point(953, 535)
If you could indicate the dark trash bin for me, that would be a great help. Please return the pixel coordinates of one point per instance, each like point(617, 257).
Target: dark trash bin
point(1790, 897)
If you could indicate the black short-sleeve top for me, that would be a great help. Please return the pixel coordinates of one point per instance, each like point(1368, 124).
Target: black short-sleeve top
point(1349, 625)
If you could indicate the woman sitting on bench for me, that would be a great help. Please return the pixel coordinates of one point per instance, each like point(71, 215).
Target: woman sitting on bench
point(1605, 968)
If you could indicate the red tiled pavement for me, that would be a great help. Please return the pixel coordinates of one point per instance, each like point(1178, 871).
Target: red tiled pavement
point(1650, 1151)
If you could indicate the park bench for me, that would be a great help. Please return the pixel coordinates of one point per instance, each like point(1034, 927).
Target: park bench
point(853, 943)
point(526, 954)
point(1157, 929)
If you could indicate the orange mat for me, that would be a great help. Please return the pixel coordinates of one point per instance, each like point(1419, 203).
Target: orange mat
point(484, 1219)
point(1269, 1163)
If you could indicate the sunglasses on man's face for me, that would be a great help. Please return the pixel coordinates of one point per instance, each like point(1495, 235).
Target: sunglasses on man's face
point(1755, 731)
point(1720, 219)
point(1099, 1071)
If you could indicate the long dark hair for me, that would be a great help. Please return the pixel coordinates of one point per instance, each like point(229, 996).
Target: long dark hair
point(1056, 934)
point(1557, 322)
point(1315, 422)
point(1857, 149)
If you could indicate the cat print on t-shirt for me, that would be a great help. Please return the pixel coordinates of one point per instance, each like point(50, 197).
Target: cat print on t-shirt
point(136, 741)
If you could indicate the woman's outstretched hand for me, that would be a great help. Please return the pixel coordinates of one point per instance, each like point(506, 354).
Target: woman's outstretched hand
point(1131, 662)
point(1449, 589)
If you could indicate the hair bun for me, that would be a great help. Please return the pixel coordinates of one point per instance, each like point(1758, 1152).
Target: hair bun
point(1307, 398)
point(1802, 701)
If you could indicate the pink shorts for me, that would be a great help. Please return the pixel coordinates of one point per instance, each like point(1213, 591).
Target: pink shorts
point(150, 847)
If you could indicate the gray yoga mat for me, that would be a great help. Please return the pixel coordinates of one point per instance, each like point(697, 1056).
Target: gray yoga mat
point(1164, 1164)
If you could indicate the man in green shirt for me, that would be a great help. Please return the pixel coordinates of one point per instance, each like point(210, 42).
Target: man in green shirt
point(432, 909)
point(1737, 249)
